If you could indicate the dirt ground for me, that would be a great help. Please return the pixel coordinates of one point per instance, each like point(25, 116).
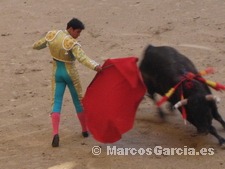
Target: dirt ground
point(114, 28)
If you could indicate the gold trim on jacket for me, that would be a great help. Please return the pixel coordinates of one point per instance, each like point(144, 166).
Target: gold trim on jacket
point(63, 47)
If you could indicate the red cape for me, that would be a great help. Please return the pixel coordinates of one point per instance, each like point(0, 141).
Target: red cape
point(112, 98)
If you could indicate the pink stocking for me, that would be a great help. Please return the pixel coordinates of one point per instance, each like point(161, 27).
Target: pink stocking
point(55, 122)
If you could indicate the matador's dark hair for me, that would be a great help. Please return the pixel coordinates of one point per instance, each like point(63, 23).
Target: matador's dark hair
point(75, 24)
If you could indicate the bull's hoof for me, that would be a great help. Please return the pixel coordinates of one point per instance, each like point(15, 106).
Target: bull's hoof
point(222, 146)
point(161, 114)
point(224, 126)
point(222, 143)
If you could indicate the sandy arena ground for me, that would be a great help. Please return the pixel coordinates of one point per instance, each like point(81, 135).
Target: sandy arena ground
point(114, 28)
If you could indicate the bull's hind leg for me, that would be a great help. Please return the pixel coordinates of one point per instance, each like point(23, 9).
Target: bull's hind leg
point(221, 140)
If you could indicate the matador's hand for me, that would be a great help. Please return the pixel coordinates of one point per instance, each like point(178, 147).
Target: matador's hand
point(98, 68)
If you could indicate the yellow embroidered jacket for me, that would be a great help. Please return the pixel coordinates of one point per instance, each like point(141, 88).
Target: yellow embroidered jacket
point(63, 47)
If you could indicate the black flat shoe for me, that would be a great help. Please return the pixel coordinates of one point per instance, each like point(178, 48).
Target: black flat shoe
point(55, 141)
point(85, 134)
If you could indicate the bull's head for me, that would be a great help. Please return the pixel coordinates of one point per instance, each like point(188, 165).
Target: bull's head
point(198, 110)
point(209, 97)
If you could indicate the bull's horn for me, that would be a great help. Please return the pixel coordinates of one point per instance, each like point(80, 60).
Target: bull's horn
point(180, 103)
point(210, 97)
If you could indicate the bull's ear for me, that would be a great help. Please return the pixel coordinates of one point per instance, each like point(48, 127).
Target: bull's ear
point(180, 103)
point(211, 97)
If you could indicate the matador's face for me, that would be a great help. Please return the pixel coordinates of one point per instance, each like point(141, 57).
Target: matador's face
point(75, 33)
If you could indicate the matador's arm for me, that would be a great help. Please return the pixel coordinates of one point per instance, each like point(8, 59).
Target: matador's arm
point(83, 58)
point(40, 44)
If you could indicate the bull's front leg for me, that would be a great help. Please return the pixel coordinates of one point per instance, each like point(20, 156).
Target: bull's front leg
point(153, 96)
point(216, 115)
point(159, 109)
point(221, 140)
point(222, 122)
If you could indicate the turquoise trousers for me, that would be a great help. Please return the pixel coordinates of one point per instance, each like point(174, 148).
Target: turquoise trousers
point(65, 74)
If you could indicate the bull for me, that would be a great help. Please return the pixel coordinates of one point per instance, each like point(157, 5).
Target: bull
point(162, 68)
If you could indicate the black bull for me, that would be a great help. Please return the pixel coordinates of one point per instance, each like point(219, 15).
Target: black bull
point(162, 68)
